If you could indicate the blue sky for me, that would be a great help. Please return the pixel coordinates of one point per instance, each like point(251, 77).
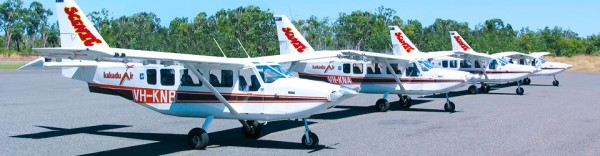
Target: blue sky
point(581, 16)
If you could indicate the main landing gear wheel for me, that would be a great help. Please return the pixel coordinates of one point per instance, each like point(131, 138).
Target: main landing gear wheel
point(382, 105)
point(472, 89)
point(555, 83)
point(312, 142)
point(253, 131)
point(405, 102)
point(449, 106)
point(527, 81)
point(520, 91)
point(197, 138)
point(485, 88)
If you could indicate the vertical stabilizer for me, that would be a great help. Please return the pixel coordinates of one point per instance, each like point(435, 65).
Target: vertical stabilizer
point(401, 45)
point(290, 39)
point(76, 30)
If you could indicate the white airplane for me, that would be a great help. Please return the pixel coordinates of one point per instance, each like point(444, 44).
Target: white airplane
point(536, 59)
point(370, 72)
point(245, 89)
point(487, 68)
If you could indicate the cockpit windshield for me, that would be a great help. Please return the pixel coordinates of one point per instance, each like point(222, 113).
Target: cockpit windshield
point(543, 60)
point(425, 66)
point(270, 73)
point(503, 61)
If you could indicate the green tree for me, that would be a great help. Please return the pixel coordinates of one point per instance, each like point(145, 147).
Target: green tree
point(11, 13)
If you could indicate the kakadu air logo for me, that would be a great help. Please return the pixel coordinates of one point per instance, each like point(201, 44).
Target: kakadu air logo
point(81, 29)
point(327, 68)
point(299, 46)
point(403, 42)
point(117, 75)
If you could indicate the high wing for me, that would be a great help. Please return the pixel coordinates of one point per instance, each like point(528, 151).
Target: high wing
point(430, 55)
point(539, 54)
point(513, 55)
point(294, 57)
point(381, 58)
point(472, 56)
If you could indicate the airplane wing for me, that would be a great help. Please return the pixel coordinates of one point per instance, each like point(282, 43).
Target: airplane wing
point(430, 55)
point(539, 54)
point(381, 58)
point(298, 57)
point(41, 63)
point(472, 55)
point(514, 55)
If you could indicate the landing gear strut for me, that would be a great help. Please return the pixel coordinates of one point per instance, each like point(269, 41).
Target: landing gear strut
point(382, 105)
point(310, 140)
point(520, 90)
point(555, 82)
point(197, 138)
point(449, 106)
point(405, 101)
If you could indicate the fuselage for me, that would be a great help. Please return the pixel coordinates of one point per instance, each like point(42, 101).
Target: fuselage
point(498, 71)
point(547, 68)
point(173, 90)
point(368, 77)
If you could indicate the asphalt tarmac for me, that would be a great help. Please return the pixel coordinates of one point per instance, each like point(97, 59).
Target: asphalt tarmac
point(42, 113)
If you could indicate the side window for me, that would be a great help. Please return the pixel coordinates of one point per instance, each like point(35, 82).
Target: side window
point(412, 70)
point(189, 79)
point(395, 68)
point(151, 76)
point(522, 61)
point(346, 68)
point(167, 77)
point(358, 68)
point(374, 68)
point(465, 64)
point(453, 64)
point(248, 81)
point(477, 65)
point(221, 78)
point(445, 63)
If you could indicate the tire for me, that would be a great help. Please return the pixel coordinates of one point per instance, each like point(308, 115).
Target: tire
point(487, 88)
point(528, 81)
point(382, 105)
point(520, 91)
point(252, 132)
point(406, 102)
point(449, 107)
point(472, 89)
point(314, 141)
point(197, 138)
point(555, 83)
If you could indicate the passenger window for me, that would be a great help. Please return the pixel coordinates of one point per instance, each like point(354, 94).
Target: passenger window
point(477, 64)
point(358, 68)
point(225, 76)
point(453, 64)
point(445, 63)
point(374, 68)
point(244, 84)
point(189, 79)
point(167, 77)
point(395, 68)
point(465, 64)
point(522, 61)
point(412, 70)
point(151, 76)
point(346, 68)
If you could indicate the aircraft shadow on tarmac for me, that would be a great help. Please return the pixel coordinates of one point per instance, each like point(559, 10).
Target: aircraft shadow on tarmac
point(172, 143)
point(465, 92)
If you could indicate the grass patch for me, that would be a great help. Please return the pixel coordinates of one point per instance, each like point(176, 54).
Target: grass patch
point(581, 63)
point(10, 66)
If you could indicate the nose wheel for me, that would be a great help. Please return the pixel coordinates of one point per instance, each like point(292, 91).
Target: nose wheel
point(310, 140)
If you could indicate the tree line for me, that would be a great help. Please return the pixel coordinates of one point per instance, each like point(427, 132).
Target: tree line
point(27, 27)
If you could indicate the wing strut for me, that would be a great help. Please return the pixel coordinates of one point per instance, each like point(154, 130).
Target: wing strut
point(394, 74)
point(212, 89)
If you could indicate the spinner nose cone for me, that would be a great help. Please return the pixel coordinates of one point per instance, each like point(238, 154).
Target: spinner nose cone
point(342, 94)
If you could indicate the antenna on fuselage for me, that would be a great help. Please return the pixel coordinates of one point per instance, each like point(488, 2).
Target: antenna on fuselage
point(220, 48)
point(243, 48)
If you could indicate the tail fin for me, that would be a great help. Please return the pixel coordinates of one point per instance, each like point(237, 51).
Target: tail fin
point(401, 45)
point(76, 30)
point(458, 43)
point(290, 39)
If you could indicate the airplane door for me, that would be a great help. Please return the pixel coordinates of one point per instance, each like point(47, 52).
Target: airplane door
point(250, 85)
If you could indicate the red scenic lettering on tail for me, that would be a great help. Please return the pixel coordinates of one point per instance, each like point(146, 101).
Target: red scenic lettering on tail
point(461, 43)
point(84, 33)
point(300, 47)
point(405, 45)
